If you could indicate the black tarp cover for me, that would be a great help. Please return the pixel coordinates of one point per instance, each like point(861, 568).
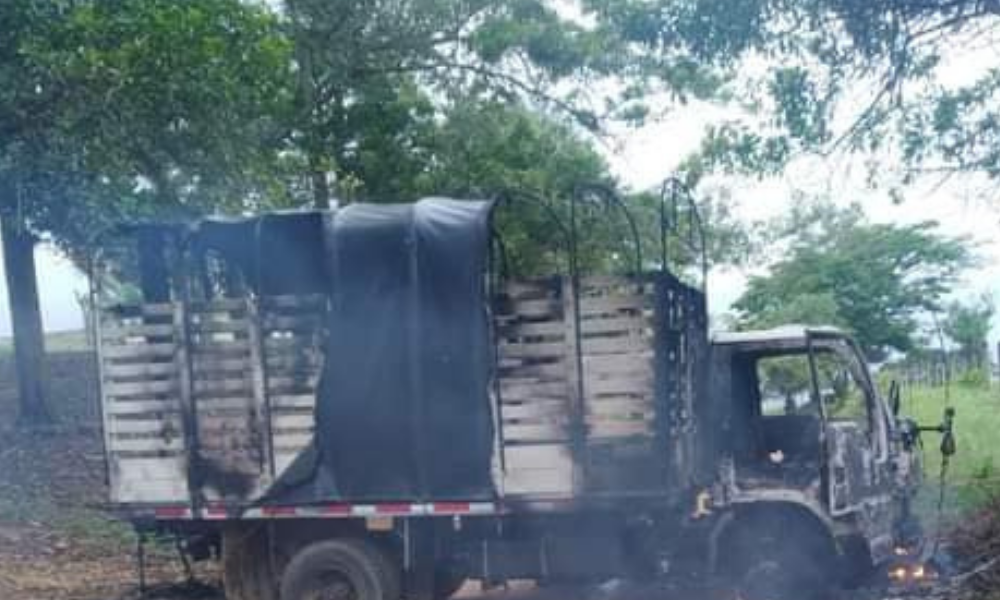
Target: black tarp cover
point(403, 408)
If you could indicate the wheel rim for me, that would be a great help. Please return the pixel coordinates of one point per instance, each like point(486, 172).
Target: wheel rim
point(763, 581)
point(334, 586)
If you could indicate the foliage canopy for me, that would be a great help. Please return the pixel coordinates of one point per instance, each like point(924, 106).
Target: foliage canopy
point(822, 75)
point(968, 325)
point(874, 279)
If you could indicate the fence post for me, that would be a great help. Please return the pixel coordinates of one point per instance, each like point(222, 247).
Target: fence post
point(998, 361)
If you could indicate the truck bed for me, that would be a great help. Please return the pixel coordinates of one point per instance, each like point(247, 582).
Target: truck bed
point(217, 397)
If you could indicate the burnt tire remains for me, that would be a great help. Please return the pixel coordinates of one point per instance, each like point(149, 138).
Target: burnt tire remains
point(780, 558)
point(346, 569)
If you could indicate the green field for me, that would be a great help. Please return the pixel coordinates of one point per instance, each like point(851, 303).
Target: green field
point(974, 471)
point(58, 341)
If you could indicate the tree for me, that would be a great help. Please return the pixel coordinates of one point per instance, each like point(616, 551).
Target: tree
point(831, 75)
point(968, 325)
point(118, 110)
point(29, 177)
point(134, 109)
point(483, 147)
point(360, 62)
point(875, 279)
point(170, 105)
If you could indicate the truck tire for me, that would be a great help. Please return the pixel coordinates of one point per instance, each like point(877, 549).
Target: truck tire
point(447, 582)
point(347, 569)
point(246, 566)
point(765, 562)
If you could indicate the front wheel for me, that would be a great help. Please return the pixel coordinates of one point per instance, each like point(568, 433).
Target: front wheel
point(341, 570)
point(780, 564)
point(779, 578)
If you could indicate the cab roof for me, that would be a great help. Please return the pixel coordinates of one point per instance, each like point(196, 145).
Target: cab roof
point(785, 333)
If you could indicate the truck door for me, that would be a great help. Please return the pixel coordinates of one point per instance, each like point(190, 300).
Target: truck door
point(851, 426)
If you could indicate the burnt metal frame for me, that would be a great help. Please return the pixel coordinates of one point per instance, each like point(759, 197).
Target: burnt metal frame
point(679, 218)
point(609, 198)
point(504, 198)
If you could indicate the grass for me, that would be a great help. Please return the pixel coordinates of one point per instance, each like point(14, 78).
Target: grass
point(55, 341)
point(974, 471)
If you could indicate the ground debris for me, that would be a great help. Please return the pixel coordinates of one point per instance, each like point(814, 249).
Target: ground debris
point(975, 542)
point(55, 544)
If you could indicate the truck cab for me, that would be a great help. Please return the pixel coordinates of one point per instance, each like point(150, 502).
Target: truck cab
point(800, 432)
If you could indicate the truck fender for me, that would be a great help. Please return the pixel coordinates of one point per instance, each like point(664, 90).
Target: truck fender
point(806, 518)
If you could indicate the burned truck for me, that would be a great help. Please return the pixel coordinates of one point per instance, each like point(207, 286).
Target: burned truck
point(365, 403)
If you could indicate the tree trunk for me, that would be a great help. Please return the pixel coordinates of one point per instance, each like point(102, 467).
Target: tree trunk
point(320, 185)
point(26, 322)
point(154, 276)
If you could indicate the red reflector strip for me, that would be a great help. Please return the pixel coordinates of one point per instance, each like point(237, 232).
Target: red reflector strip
point(337, 509)
point(393, 509)
point(278, 511)
point(216, 512)
point(172, 512)
point(450, 507)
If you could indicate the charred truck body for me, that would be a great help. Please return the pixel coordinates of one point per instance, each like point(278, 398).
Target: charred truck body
point(358, 404)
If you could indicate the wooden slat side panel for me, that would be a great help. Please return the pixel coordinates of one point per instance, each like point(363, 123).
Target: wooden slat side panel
point(289, 442)
point(531, 349)
point(519, 389)
point(139, 352)
point(522, 432)
point(535, 411)
point(152, 444)
point(142, 389)
point(618, 348)
point(230, 450)
point(220, 349)
point(141, 371)
point(636, 386)
point(293, 331)
point(536, 387)
point(298, 401)
point(539, 470)
point(617, 429)
point(283, 422)
point(291, 383)
point(125, 331)
point(169, 424)
point(142, 407)
point(222, 386)
point(149, 480)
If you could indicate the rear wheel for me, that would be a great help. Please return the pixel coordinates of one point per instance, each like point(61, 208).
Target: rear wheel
point(341, 570)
